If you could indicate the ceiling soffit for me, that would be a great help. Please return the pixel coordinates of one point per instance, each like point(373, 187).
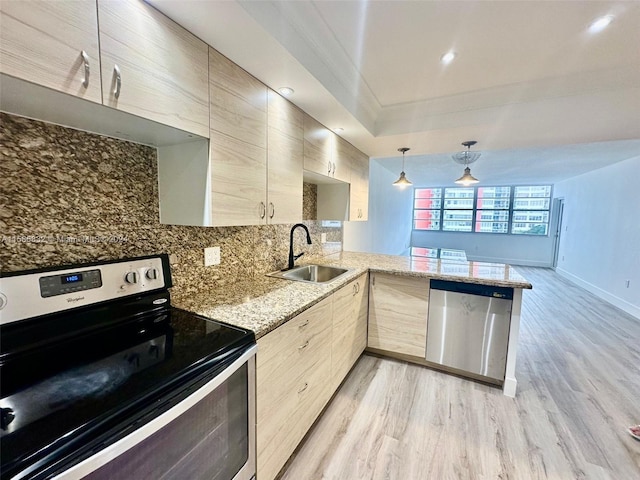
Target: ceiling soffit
point(300, 28)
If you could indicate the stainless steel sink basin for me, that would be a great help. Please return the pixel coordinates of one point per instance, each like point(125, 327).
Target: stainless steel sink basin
point(312, 273)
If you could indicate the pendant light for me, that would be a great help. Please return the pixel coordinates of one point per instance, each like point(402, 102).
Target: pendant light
point(403, 181)
point(466, 157)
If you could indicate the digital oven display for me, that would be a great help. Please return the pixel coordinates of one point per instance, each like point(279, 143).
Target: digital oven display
point(76, 277)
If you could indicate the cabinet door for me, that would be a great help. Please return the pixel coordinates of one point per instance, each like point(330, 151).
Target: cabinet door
point(349, 337)
point(284, 160)
point(359, 192)
point(398, 314)
point(344, 156)
point(43, 41)
point(318, 147)
point(293, 368)
point(163, 67)
point(238, 144)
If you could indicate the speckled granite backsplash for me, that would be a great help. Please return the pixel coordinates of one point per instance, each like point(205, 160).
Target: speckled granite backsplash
point(68, 196)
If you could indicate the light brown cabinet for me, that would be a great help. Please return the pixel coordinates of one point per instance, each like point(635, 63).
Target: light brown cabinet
point(124, 54)
point(358, 164)
point(43, 42)
point(284, 160)
point(398, 307)
point(318, 147)
point(259, 181)
point(349, 338)
point(152, 67)
point(293, 369)
point(300, 365)
point(238, 144)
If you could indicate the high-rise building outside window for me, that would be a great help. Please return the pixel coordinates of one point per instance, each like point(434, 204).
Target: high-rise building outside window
point(519, 210)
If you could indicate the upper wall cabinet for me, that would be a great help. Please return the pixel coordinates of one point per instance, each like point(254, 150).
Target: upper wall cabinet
point(152, 67)
point(284, 160)
point(323, 151)
point(358, 165)
point(318, 147)
point(54, 44)
point(238, 145)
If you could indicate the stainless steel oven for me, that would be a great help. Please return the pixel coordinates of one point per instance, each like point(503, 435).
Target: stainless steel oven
point(102, 379)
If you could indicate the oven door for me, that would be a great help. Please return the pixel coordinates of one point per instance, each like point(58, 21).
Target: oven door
point(208, 435)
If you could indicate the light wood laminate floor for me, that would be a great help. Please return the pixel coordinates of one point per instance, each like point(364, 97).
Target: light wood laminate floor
point(578, 388)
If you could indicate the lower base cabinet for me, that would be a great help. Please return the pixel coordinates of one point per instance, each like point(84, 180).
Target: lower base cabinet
point(298, 368)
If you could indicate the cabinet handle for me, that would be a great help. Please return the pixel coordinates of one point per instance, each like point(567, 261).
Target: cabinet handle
point(355, 290)
point(273, 210)
point(302, 347)
point(304, 324)
point(306, 385)
point(116, 71)
point(358, 287)
point(87, 69)
point(263, 210)
point(329, 171)
point(334, 169)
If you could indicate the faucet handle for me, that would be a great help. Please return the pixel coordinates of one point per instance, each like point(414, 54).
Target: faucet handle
point(295, 257)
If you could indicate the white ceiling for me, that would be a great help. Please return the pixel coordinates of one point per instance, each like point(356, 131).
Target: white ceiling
point(528, 75)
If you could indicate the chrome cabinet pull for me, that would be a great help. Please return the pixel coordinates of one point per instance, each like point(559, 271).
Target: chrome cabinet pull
point(355, 290)
point(302, 347)
point(263, 210)
point(358, 287)
point(334, 169)
point(306, 385)
point(87, 69)
point(273, 210)
point(303, 324)
point(329, 171)
point(116, 71)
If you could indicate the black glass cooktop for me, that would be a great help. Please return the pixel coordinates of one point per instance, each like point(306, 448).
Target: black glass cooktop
point(76, 382)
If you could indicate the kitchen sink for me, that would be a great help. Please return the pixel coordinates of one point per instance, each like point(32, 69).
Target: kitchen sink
point(312, 273)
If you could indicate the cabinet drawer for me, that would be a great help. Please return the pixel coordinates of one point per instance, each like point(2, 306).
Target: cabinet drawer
point(293, 368)
point(281, 430)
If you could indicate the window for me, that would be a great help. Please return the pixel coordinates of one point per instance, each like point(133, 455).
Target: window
point(521, 210)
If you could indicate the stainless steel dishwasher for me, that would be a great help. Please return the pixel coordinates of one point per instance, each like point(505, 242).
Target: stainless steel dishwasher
point(468, 328)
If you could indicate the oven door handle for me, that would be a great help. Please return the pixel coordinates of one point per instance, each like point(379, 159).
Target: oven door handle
point(111, 452)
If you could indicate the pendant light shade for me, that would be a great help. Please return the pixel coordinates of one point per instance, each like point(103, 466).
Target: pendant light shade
point(466, 157)
point(402, 181)
point(467, 179)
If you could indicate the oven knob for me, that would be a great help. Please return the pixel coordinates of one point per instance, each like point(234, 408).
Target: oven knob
point(131, 277)
point(7, 417)
point(152, 274)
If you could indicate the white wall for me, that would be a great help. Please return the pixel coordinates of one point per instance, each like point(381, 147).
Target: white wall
point(600, 240)
point(389, 227)
point(389, 230)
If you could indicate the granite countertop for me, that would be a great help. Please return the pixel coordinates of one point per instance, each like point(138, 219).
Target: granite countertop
point(264, 303)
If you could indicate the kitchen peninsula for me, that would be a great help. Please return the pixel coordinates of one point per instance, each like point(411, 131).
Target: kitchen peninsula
point(311, 334)
point(262, 304)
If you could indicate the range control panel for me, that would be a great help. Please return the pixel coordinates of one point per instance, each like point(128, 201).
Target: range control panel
point(32, 294)
point(69, 282)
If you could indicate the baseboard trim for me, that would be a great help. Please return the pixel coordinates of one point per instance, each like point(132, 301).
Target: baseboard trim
point(631, 309)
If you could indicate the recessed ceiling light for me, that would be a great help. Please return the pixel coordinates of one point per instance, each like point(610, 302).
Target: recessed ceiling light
point(600, 24)
point(286, 91)
point(448, 57)
point(338, 129)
